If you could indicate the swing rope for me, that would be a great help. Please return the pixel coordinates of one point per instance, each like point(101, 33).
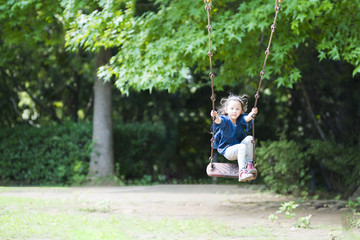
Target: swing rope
point(262, 74)
point(211, 75)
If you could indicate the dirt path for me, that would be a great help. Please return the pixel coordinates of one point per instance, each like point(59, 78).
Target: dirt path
point(236, 205)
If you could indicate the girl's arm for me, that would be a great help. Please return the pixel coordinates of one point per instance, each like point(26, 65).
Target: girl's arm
point(215, 115)
point(249, 117)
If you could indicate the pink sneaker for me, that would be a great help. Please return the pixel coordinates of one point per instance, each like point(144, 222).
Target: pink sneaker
point(251, 169)
point(244, 175)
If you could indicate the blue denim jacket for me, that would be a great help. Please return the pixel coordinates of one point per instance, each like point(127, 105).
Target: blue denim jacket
point(228, 134)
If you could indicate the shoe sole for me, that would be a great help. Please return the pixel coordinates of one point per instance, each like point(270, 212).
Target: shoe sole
point(252, 171)
point(246, 178)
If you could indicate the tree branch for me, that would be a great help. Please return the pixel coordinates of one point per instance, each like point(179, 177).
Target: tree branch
point(19, 114)
point(89, 105)
point(311, 113)
point(37, 102)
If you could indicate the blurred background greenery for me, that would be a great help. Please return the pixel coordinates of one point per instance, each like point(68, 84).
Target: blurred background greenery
point(307, 129)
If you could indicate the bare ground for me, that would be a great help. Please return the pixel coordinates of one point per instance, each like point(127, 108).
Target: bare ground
point(235, 205)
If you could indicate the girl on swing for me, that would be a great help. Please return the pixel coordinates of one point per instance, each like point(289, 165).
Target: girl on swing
point(231, 127)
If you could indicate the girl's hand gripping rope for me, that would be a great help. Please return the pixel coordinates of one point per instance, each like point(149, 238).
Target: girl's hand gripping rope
point(253, 112)
point(215, 115)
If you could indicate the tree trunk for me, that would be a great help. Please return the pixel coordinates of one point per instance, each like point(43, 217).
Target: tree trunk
point(102, 158)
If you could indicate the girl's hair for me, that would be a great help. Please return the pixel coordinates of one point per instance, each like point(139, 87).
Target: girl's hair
point(243, 100)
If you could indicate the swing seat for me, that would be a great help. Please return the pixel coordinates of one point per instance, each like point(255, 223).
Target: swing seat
point(226, 170)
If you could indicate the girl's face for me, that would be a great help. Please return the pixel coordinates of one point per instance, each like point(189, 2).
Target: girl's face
point(233, 109)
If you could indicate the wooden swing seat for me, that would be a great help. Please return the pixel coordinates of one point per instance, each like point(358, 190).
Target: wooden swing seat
point(227, 170)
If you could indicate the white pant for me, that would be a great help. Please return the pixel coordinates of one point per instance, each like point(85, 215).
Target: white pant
point(243, 152)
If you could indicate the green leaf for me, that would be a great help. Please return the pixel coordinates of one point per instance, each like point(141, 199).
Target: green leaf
point(322, 55)
point(334, 53)
point(356, 71)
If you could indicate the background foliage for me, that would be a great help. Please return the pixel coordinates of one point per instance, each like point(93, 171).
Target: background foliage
point(308, 125)
point(289, 166)
point(52, 154)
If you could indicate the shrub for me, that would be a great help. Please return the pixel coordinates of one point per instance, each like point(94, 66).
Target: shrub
point(143, 150)
point(286, 166)
point(60, 154)
point(52, 154)
point(283, 165)
point(339, 163)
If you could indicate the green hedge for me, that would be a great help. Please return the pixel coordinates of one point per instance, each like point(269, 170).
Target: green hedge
point(283, 166)
point(60, 154)
point(143, 150)
point(289, 166)
point(55, 154)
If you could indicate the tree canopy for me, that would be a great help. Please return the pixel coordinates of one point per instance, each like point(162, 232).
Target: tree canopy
point(40, 81)
point(166, 48)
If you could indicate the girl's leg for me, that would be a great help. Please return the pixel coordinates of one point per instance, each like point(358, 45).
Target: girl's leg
point(249, 155)
point(231, 153)
point(238, 152)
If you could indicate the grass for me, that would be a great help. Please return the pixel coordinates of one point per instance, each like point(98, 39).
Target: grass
point(29, 218)
point(34, 225)
point(78, 218)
